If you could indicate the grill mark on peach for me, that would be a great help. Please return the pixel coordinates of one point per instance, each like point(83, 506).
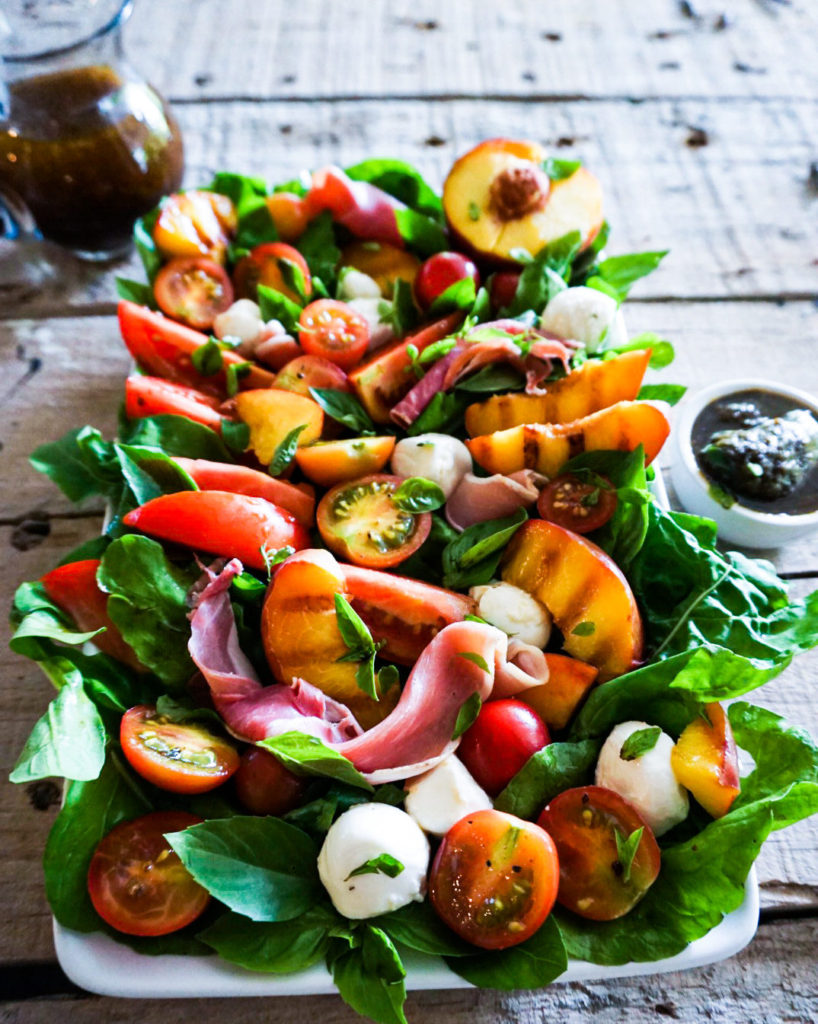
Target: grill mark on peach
point(531, 447)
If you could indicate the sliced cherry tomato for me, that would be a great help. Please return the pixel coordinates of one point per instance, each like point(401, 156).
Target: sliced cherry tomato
point(137, 883)
point(494, 879)
point(152, 396)
point(577, 505)
point(163, 348)
point(503, 737)
point(440, 272)
point(193, 290)
point(305, 372)
point(232, 525)
point(504, 288)
point(74, 588)
point(195, 224)
point(328, 463)
point(360, 522)
point(290, 214)
point(263, 265)
point(182, 757)
point(265, 786)
point(384, 263)
point(334, 331)
point(584, 823)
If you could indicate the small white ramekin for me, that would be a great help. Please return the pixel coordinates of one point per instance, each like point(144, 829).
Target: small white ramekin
point(737, 524)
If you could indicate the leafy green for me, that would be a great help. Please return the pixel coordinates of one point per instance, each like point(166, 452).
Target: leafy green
point(370, 976)
point(145, 245)
point(475, 659)
point(545, 275)
point(639, 743)
point(421, 233)
point(402, 181)
point(401, 313)
point(271, 946)
point(175, 435)
point(494, 379)
point(207, 358)
point(275, 305)
point(472, 558)
point(418, 927)
point(344, 408)
point(559, 170)
point(285, 451)
point(467, 715)
point(318, 814)
point(383, 864)
point(261, 867)
point(148, 604)
point(618, 274)
point(318, 247)
point(36, 616)
point(549, 771)
point(444, 414)
point(532, 964)
point(670, 393)
point(459, 295)
point(662, 352)
point(307, 755)
point(255, 225)
point(626, 850)
point(135, 291)
point(362, 647)
point(418, 495)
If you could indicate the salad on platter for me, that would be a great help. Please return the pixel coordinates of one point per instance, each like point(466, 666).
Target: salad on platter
point(387, 644)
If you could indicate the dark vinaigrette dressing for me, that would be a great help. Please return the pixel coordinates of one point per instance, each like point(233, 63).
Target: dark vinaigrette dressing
point(762, 448)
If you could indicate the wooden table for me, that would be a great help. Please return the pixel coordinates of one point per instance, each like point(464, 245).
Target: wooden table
point(701, 124)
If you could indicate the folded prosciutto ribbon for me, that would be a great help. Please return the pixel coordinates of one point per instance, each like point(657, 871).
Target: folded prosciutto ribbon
point(414, 737)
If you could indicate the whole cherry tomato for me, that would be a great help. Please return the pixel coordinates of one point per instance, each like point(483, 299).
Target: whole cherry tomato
point(578, 505)
point(440, 272)
point(137, 883)
point(265, 786)
point(504, 287)
point(504, 735)
point(193, 290)
point(334, 331)
point(494, 879)
point(585, 824)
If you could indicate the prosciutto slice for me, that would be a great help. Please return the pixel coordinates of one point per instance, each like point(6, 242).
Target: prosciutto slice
point(409, 408)
point(463, 659)
point(477, 499)
point(363, 209)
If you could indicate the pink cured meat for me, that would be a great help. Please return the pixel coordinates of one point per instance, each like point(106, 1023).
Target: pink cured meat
point(368, 212)
point(478, 499)
point(409, 408)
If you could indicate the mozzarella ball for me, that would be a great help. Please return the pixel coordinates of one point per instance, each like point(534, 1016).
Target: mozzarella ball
point(437, 457)
point(242, 322)
point(362, 834)
point(356, 285)
point(585, 315)
point(440, 797)
point(371, 310)
point(647, 782)
point(514, 611)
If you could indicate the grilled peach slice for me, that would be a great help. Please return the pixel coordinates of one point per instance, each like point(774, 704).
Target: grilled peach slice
point(271, 414)
point(328, 463)
point(547, 447)
point(585, 591)
point(497, 198)
point(557, 700)
point(705, 761)
point(594, 386)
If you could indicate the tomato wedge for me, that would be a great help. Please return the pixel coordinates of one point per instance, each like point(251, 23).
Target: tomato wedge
point(195, 223)
point(360, 522)
point(578, 505)
point(153, 396)
point(494, 879)
point(584, 824)
point(334, 331)
point(75, 589)
point(193, 290)
point(233, 525)
point(137, 883)
point(290, 214)
point(263, 265)
point(182, 757)
point(305, 372)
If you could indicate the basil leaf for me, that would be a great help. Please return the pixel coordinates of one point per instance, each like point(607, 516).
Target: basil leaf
point(545, 275)
point(370, 977)
point(383, 864)
point(233, 373)
point(418, 927)
point(459, 295)
point(307, 755)
point(467, 715)
point(145, 245)
point(176, 435)
point(436, 351)
point(274, 305)
point(236, 435)
point(670, 393)
point(402, 181)
point(388, 677)
point(294, 278)
point(260, 867)
point(620, 273)
point(36, 616)
point(317, 816)
point(584, 629)
point(318, 247)
point(418, 495)
point(365, 675)
point(662, 352)
point(444, 414)
point(344, 408)
point(493, 379)
point(476, 659)
point(473, 557)
point(136, 291)
point(67, 464)
point(272, 558)
point(269, 946)
point(420, 232)
point(639, 743)
point(626, 850)
point(207, 358)
point(549, 771)
point(401, 313)
point(559, 170)
point(285, 452)
point(255, 225)
point(532, 964)
point(352, 627)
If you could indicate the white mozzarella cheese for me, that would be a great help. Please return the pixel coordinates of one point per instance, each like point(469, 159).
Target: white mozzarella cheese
point(437, 457)
point(514, 611)
point(440, 797)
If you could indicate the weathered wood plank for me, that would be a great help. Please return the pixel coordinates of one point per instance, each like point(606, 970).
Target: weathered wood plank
point(736, 214)
point(773, 979)
point(464, 47)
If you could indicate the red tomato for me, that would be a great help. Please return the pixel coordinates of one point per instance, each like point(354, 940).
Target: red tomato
point(503, 737)
point(74, 588)
point(265, 786)
point(334, 331)
point(360, 522)
point(441, 271)
point(263, 266)
point(163, 348)
point(305, 372)
point(494, 879)
point(504, 287)
point(584, 823)
point(153, 396)
point(290, 214)
point(233, 525)
point(193, 290)
point(177, 756)
point(136, 882)
point(195, 224)
point(576, 505)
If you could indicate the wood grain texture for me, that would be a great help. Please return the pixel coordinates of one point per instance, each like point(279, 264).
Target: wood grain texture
point(772, 980)
point(736, 214)
point(434, 48)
